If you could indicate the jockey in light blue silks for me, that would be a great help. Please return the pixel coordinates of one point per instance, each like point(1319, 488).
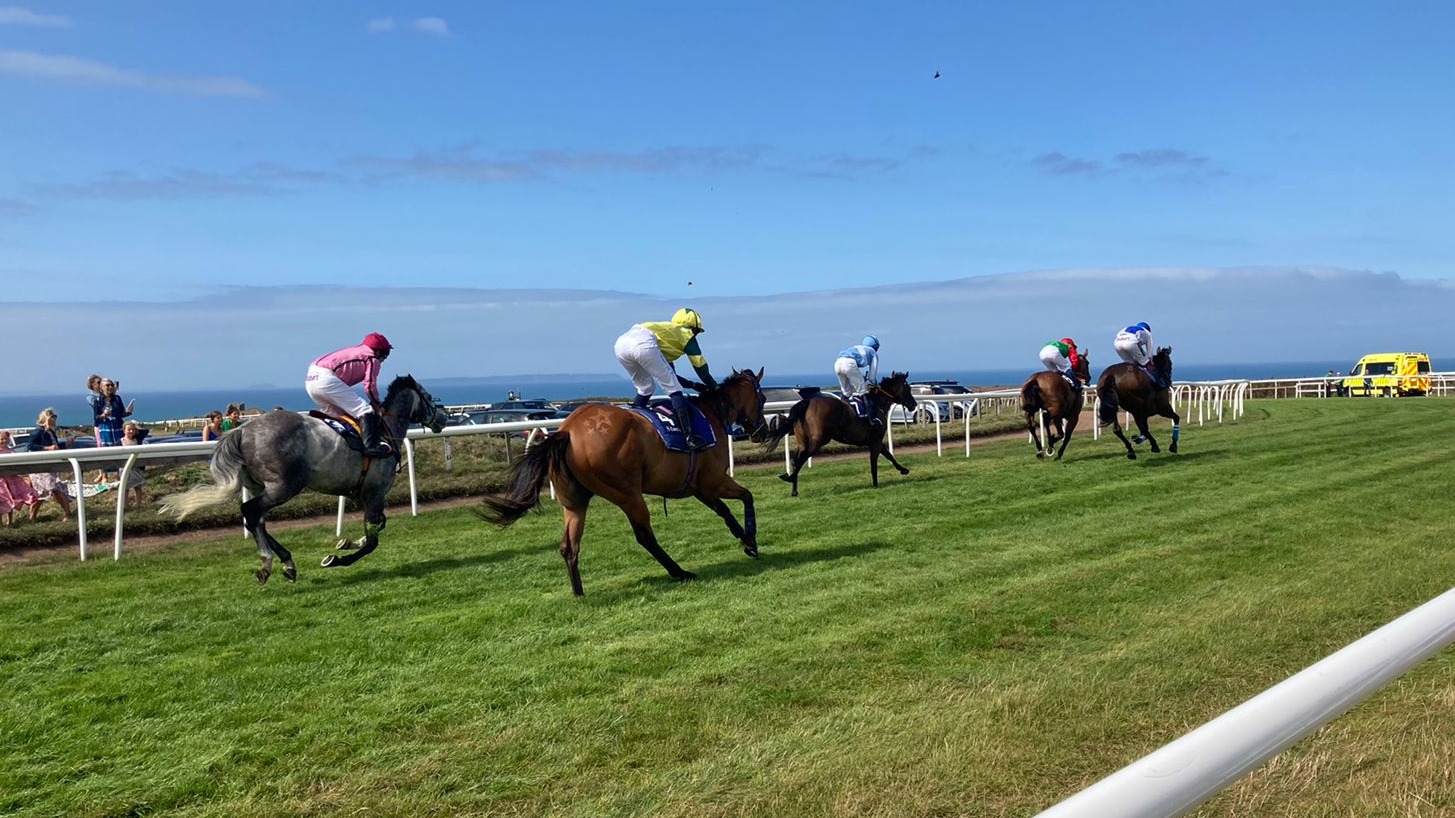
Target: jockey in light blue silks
point(858, 366)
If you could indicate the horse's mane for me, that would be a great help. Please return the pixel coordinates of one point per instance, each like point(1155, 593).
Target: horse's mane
point(400, 383)
point(1163, 360)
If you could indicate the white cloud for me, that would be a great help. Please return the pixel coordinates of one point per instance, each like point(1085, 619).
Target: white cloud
point(17, 16)
point(62, 68)
point(432, 25)
point(999, 322)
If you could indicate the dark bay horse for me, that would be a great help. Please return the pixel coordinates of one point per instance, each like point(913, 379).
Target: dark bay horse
point(1128, 387)
point(1050, 393)
point(617, 454)
point(278, 455)
point(818, 419)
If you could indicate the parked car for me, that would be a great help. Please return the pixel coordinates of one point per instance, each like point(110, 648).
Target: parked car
point(947, 410)
point(528, 403)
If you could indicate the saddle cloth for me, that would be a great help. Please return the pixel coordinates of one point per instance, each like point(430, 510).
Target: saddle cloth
point(861, 405)
point(348, 429)
point(666, 426)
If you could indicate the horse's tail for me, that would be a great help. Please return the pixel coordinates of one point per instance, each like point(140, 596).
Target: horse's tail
point(226, 465)
point(782, 427)
point(1031, 400)
point(1106, 393)
point(524, 481)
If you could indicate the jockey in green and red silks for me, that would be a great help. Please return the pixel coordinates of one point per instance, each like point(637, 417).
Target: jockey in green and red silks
point(1061, 356)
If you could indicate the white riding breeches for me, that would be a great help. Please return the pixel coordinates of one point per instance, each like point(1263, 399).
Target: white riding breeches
point(332, 395)
point(1130, 350)
point(851, 377)
point(1053, 359)
point(643, 360)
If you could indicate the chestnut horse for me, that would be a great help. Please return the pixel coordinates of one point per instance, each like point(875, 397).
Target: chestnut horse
point(1128, 387)
point(1050, 393)
point(617, 453)
point(817, 419)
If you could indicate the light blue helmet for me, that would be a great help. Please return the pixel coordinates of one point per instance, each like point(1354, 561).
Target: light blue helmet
point(871, 342)
point(1145, 326)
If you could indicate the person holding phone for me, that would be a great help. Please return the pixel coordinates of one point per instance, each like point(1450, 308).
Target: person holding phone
point(111, 414)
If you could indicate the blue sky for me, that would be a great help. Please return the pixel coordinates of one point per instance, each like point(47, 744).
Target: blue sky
point(169, 151)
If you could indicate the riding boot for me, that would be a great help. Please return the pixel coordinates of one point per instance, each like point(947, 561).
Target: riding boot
point(373, 445)
point(641, 401)
point(682, 413)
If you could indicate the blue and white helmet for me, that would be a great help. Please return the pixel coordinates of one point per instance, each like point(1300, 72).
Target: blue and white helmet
point(1145, 326)
point(871, 342)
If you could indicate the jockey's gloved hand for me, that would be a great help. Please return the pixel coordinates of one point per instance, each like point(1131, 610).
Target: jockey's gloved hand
point(706, 378)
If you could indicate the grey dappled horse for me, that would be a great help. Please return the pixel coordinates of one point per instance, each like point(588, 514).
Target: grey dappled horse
point(278, 455)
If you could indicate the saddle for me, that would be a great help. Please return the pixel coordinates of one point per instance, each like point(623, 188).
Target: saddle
point(347, 428)
point(666, 426)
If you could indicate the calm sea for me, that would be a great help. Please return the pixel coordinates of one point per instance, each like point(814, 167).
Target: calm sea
point(20, 411)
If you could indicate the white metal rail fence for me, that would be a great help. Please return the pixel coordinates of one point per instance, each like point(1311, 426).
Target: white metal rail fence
point(1209, 400)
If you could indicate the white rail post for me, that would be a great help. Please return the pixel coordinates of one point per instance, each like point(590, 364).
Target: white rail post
point(80, 499)
point(121, 493)
point(413, 487)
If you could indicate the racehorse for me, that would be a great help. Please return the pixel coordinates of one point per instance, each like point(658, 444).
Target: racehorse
point(1050, 393)
point(818, 419)
point(1126, 386)
point(278, 455)
point(616, 453)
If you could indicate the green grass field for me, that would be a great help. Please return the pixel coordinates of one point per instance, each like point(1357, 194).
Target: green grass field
point(982, 637)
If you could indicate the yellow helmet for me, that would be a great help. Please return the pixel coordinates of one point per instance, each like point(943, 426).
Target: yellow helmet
point(688, 317)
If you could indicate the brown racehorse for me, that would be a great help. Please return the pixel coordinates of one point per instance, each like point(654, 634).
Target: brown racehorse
point(616, 453)
point(1128, 387)
point(817, 419)
point(1050, 393)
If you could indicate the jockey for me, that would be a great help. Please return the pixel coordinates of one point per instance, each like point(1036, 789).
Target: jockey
point(647, 352)
point(858, 366)
point(1134, 345)
point(330, 378)
point(1061, 356)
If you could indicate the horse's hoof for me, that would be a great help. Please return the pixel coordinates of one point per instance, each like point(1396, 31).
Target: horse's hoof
point(345, 544)
point(263, 576)
point(290, 573)
point(1156, 449)
point(1040, 455)
point(904, 471)
point(751, 549)
point(686, 576)
point(1172, 448)
point(786, 477)
point(329, 561)
point(1131, 455)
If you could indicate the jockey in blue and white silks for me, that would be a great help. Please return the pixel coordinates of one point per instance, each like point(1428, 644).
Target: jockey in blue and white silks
point(1134, 344)
point(858, 366)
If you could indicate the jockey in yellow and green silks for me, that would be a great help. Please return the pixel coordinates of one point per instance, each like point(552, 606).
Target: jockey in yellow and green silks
point(647, 352)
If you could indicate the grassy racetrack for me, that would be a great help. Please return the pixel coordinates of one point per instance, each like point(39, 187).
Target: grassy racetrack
point(982, 637)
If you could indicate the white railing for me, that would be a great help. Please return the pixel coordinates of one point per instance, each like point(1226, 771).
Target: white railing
point(1176, 778)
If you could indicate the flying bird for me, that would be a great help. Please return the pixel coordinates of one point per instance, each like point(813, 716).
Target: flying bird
point(937, 75)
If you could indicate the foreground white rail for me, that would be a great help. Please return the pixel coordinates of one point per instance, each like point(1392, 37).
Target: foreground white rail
point(1183, 774)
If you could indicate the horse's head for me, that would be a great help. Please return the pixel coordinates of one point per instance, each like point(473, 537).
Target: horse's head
point(896, 389)
point(408, 399)
point(742, 393)
point(1082, 368)
point(1162, 362)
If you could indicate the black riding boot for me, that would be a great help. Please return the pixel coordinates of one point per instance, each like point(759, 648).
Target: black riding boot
point(373, 446)
point(641, 401)
point(682, 413)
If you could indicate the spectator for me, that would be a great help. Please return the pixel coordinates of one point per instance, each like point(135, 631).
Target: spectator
point(136, 479)
point(111, 414)
point(15, 490)
point(46, 484)
point(233, 419)
point(214, 428)
point(94, 399)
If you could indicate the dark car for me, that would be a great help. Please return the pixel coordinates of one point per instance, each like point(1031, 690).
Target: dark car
point(486, 416)
point(529, 403)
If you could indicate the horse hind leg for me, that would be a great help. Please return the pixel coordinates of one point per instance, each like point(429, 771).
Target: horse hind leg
point(1116, 428)
point(641, 521)
point(268, 547)
point(1143, 432)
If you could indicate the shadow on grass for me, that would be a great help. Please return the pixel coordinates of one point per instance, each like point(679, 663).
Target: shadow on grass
point(361, 572)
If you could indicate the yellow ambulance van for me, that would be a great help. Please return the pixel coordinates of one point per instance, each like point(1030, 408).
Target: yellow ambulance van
point(1388, 374)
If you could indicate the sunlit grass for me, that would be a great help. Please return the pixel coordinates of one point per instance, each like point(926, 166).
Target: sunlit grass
point(981, 637)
